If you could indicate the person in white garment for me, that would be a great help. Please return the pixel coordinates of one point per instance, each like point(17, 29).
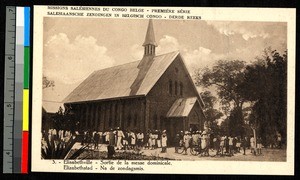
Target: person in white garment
point(152, 137)
point(252, 144)
point(158, 140)
point(120, 136)
point(186, 140)
point(140, 139)
point(164, 140)
point(133, 140)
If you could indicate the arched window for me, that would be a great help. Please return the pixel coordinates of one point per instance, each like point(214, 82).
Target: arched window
point(176, 86)
point(181, 89)
point(170, 87)
point(149, 49)
point(155, 121)
point(135, 120)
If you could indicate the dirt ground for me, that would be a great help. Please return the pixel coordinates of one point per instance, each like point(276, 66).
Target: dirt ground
point(267, 154)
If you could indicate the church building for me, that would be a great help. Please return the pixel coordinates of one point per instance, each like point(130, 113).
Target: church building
point(155, 92)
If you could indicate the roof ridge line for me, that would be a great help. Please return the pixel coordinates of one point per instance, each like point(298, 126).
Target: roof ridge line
point(117, 65)
point(167, 53)
point(173, 52)
point(77, 94)
point(135, 61)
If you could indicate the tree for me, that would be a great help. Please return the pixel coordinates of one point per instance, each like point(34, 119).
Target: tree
point(212, 114)
point(64, 119)
point(226, 76)
point(235, 122)
point(58, 119)
point(47, 83)
point(265, 85)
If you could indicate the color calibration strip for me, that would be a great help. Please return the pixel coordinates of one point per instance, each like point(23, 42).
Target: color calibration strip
point(25, 125)
point(17, 58)
point(22, 90)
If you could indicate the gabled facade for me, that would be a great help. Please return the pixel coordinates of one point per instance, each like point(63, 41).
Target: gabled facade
point(156, 92)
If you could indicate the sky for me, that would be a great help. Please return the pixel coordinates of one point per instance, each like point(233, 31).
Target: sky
point(74, 48)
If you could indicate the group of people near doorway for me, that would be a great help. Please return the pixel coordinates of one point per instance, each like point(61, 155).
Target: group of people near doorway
point(128, 140)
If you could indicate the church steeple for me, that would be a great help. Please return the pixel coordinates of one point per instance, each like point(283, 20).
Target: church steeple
point(150, 44)
point(146, 61)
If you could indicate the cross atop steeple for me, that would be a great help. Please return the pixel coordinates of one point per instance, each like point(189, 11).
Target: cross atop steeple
point(150, 44)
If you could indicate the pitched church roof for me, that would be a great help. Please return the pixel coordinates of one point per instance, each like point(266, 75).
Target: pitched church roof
point(116, 82)
point(127, 80)
point(182, 107)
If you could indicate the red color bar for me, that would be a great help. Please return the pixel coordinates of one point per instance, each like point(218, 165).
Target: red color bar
point(24, 159)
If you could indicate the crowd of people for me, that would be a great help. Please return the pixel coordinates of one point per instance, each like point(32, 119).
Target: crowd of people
point(57, 138)
point(202, 141)
point(127, 140)
point(58, 135)
point(221, 145)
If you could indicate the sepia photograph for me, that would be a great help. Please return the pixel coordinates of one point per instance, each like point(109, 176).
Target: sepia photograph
point(163, 89)
point(186, 90)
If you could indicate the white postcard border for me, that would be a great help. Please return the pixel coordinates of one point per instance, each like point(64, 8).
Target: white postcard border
point(177, 167)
